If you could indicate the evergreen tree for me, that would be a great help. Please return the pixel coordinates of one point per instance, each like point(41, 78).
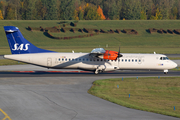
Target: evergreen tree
point(131, 9)
point(67, 9)
point(81, 15)
point(158, 15)
point(51, 10)
point(113, 12)
point(10, 12)
point(28, 9)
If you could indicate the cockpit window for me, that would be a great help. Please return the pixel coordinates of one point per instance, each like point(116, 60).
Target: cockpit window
point(164, 58)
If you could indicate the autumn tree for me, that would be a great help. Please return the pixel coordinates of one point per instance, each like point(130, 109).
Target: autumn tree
point(143, 15)
point(100, 12)
point(81, 14)
point(2, 8)
point(157, 16)
point(90, 12)
point(1, 16)
point(94, 2)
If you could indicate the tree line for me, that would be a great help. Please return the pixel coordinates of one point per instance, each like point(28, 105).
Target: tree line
point(89, 9)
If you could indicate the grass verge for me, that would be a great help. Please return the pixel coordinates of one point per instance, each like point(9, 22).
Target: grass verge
point(144, 42)
point(147, 94)
point(10, 62)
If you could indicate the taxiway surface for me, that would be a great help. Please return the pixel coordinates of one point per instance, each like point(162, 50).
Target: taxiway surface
point(43, 95)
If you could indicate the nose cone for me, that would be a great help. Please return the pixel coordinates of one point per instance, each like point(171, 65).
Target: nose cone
point(174, 65)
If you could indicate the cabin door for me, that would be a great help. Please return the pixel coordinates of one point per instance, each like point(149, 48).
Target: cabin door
point(49, 62)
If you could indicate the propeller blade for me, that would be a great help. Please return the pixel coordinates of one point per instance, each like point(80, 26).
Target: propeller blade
point(119, 54)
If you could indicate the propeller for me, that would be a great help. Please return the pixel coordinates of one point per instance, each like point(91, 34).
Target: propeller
point(119, 54)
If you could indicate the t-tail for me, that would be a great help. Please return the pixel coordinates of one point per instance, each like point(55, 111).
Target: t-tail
point(18, 44)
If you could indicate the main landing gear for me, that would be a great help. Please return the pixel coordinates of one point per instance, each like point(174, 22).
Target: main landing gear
point(97, 71)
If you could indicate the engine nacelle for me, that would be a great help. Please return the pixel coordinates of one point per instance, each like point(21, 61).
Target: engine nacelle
point(109, 55)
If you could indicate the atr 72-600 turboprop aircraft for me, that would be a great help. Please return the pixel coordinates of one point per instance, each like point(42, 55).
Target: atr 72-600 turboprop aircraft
point(98, 60)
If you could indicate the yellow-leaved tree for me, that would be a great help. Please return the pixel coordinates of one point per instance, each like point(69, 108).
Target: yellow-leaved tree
point(158, 15)
point(1, 16)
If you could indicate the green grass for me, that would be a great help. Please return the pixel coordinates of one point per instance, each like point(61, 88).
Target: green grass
point(144, 42)
point(147, 94)
point(10, 62)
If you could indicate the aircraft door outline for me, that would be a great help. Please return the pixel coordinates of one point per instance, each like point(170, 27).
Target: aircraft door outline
point(49, 62)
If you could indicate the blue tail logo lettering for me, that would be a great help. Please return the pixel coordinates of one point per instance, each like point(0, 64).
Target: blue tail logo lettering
point(21, 47)
point(18, 44)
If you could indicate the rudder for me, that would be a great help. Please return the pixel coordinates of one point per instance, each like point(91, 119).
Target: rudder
point(18, 44)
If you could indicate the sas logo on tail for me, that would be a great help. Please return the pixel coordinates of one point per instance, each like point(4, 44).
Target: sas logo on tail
point(21, 47)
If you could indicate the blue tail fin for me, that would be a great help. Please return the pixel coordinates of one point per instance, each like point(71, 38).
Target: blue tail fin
point(18, 44)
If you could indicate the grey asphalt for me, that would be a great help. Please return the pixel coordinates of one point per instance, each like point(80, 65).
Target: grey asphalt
point(64, 98)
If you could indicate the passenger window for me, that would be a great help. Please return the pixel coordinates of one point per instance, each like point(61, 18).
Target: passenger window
point(122, 60)
point(161, 58)
point(86, 59)
point(59, 59)
point(69, 59)
point(132, 60)
point(136, 60)
point(65, 59)
point(139, 60)
point(62, 59)
point(97, 59)
point(129, 60)
point(72, 59)
point(125, 60)
point(101, 59)
point(90, 59)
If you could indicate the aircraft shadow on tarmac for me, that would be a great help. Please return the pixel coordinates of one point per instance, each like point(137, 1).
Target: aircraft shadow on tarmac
point(83, 73)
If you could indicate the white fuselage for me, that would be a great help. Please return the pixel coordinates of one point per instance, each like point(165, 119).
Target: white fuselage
point(86, 62)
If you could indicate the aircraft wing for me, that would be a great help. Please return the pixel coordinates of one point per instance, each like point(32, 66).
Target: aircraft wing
point(97, 52)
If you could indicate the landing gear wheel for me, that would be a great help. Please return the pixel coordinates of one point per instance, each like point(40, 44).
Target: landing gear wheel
point(97, 71)
point(165, 71)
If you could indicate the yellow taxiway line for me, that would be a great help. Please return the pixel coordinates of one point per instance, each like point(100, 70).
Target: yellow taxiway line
point(6, 115)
